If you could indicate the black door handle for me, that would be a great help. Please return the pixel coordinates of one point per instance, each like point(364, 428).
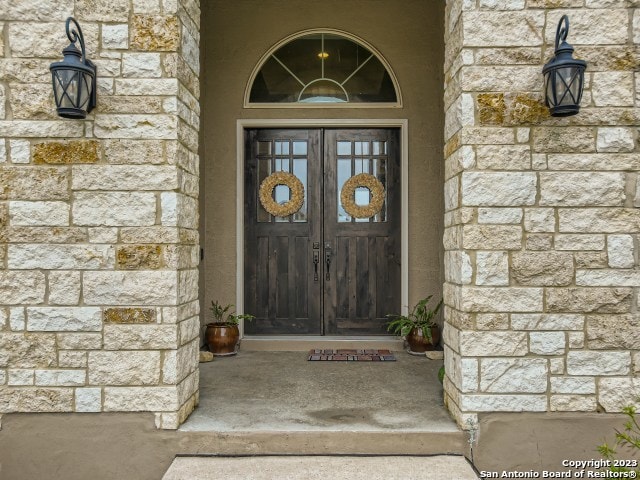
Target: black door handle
point(316, 261)
point(327, 260)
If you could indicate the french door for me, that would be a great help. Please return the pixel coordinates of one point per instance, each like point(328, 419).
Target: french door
point(322, 231)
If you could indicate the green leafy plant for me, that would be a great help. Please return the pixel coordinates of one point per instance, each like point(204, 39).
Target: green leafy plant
point(630, 438)
point(221, 315)
point(420, 317)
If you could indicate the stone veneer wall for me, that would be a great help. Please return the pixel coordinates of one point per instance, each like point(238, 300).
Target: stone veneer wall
point(541, 224)
point(98, 218)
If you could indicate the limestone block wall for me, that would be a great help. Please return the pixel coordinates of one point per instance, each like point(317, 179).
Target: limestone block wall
point(541, 223)
point(98, 218)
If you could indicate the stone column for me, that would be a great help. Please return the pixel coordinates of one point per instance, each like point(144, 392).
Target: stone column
point(98, 218)
point(541, 224)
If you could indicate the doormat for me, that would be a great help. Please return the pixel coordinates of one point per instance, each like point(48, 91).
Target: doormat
point(345, 355)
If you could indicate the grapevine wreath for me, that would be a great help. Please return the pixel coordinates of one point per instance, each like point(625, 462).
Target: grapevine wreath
point(266, 194)
point(347, 196)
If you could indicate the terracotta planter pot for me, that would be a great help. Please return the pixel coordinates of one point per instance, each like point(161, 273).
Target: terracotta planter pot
point(418, 343)
point(222, 339)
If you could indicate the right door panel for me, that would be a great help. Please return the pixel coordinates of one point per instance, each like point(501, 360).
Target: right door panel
point(362, 278)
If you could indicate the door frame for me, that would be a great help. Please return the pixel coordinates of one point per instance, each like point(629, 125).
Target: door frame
point(246, 123)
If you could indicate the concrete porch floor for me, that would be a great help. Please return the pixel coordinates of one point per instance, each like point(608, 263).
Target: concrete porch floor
point(257, 403)
point(338, 407)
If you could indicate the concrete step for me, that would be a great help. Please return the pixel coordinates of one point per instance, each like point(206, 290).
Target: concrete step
point(262, 402)
point(326, 443)
point(305, 343)
point(321, 467)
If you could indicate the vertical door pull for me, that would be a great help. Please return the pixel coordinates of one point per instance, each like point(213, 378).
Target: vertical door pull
point(316, 261)
point(327, 259)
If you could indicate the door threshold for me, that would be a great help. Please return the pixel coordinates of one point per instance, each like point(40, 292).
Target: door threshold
point(299, 343)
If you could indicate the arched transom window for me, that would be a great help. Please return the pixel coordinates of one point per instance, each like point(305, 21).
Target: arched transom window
point(320, 68)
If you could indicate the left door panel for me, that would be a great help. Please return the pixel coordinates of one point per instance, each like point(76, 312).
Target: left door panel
point(281, 280)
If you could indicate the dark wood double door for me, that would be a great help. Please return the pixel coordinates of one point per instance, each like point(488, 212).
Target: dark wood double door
point(321, 270)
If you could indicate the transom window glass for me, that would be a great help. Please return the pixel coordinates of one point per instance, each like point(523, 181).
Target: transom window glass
point(322, 68)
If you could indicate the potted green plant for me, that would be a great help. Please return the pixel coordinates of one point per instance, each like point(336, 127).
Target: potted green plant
point(418, 327)
point(629, 439)
point(222, 334)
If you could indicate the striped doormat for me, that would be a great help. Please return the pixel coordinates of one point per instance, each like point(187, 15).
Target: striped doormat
point(347, 355)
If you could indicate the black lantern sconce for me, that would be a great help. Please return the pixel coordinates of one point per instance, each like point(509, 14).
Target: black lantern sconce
point(563, 76)
point(74, 78)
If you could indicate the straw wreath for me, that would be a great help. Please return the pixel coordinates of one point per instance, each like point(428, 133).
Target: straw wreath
point(266, 194)
point(347, 196)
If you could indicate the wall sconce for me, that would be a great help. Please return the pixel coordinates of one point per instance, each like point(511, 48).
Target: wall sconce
point(563, 76)
point(74, 78)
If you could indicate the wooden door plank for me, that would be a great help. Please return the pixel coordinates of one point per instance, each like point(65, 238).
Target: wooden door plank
point(282, 277)
point(300, 278)
point(342, 261)
point(351, 280)
point(383, 292)
point(372, 263)
point(261, 295)
point(361, 278)
point(272, 285)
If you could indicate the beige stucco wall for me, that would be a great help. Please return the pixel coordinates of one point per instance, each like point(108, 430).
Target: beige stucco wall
point(236, 34)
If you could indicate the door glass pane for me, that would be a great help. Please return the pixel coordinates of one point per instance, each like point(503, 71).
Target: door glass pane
point(282, 165)
point(380, 172)
point(363, 196)
point(264, 170)
point(282, 147)
point(362, 166)
point(344, 148)
point(344, 172)
point(379, 148)
point(282, 194)
point(299, 148)
point(264, 148)
point(300, 171)
point(361, 148)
